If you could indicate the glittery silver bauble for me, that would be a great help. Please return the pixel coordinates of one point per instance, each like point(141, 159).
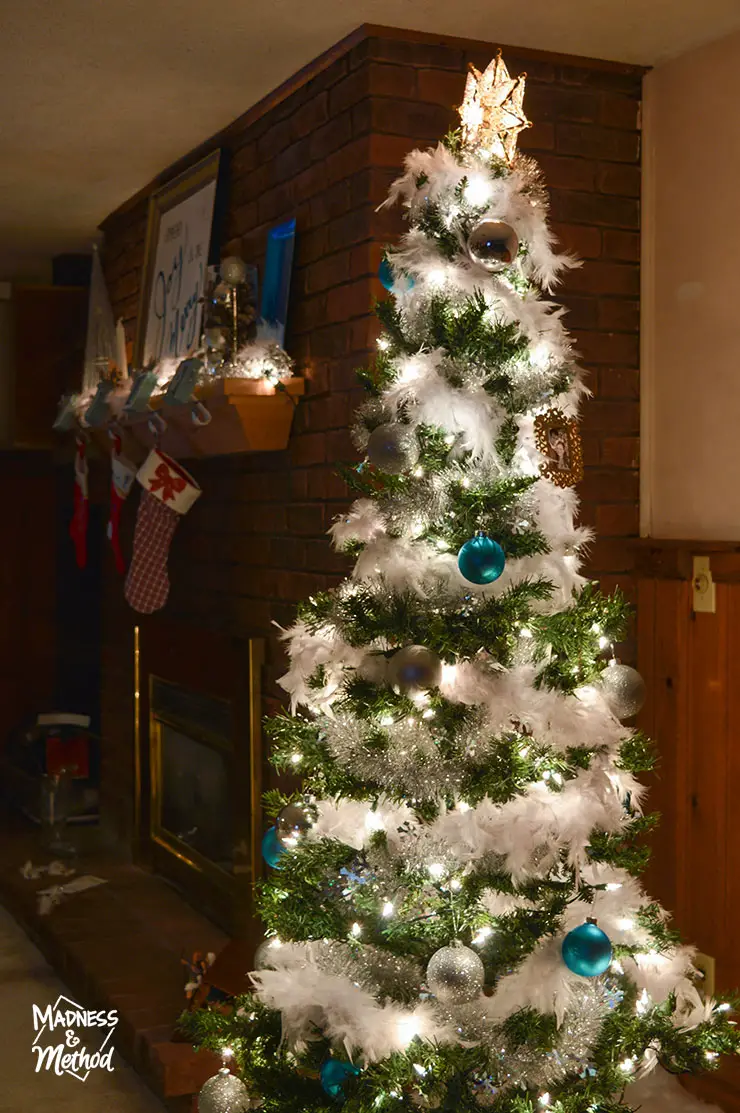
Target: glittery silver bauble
point(414, 669)
point(493, 244)
point(455, 973)
point(233, 270)
point(392, 448)
point(292, 822)
point(623, 689)
point(224, 1093)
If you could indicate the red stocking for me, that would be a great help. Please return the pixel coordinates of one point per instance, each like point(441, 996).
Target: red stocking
point(78, 525)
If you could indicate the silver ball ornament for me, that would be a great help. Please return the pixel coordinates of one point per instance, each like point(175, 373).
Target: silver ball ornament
point(493, 244)
point(414, 669)
point(266, 953)
point(393, 448)
point(373, 667)
point(292, 822)
point(233, 270)
point(455, 974)
point(623, 690)
point(223, 1093)
point(215, 338)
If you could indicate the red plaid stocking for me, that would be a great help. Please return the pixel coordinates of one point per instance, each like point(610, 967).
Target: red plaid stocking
point(168, 493)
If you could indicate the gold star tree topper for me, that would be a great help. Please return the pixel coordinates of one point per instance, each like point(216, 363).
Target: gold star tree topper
point(492, 112)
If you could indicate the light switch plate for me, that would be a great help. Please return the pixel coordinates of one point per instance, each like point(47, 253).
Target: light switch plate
point(705, 596)
point(705, 964)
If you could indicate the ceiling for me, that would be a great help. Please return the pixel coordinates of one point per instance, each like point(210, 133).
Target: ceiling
point(97, 98)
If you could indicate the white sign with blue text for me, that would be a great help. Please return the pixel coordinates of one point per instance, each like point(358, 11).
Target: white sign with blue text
point(178, 276)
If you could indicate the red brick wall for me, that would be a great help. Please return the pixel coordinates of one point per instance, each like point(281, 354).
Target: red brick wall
point(326, 150)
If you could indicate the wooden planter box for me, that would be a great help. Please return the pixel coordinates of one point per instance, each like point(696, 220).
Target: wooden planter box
point(247, 415)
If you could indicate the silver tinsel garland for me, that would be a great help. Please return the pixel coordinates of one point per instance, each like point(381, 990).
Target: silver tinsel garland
point(427, 502)
point(262, 359)
point(382, 973)
point(530, 1067)
point(388, 976)
point(411, 762)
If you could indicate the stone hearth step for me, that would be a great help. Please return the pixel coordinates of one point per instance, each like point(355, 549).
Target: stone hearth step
point(119, 946)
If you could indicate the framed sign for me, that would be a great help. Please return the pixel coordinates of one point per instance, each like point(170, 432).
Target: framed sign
point(177, 251)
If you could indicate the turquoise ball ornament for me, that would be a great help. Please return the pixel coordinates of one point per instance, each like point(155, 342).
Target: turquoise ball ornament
point(481, 560)
point(334, 1073)
point(587, 950)
point(389, 279)
point(272, 848)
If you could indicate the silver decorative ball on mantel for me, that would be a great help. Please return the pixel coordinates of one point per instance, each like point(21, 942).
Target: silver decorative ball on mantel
point(623, 689)
point(215, 337)
point(233, 270)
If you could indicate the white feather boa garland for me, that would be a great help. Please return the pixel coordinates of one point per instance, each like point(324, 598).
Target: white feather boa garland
point(318, 1001)
point(312, 999)
point(468, 413)
point(528, 833)
point(307, 651)
point(516, 198)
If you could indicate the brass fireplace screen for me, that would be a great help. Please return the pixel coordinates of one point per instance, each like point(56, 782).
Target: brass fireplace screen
point(200, 716)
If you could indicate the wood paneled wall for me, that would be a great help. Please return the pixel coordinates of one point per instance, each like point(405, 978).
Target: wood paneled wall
point(691, 664)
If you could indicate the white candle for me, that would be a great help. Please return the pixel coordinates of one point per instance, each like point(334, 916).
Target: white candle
point(121, 360)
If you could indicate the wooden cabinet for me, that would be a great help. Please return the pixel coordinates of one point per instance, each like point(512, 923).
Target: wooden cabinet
point(42, 347)
point(691, 664)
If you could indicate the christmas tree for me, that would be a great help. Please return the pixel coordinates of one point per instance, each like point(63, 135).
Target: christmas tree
point(453, 914)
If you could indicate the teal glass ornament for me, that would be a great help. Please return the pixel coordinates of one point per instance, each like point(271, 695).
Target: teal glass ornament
point(481, 560)
point(587, 950)
point(385, 273)
point(334, 1073)
point(272, 848)
point(389, 280)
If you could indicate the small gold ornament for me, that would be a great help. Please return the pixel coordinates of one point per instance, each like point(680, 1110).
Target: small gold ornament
point(559, 441)
point(492, 112)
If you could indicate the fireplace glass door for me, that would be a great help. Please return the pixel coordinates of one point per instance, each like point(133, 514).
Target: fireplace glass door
point(193, 753)
point(200, 744)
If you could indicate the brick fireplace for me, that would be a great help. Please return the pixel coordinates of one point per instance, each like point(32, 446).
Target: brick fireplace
point(324, 147)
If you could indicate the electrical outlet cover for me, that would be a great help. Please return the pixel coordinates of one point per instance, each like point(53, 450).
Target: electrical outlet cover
point(705, 594)
point(706, 965)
